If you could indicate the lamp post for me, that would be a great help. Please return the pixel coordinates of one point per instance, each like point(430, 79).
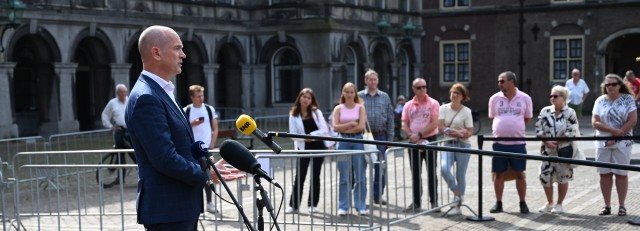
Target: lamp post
point(14, 9)
point(383, 25)
point(409, 28)
point(521, 42)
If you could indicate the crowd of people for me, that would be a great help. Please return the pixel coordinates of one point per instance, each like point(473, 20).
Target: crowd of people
point(160, 131)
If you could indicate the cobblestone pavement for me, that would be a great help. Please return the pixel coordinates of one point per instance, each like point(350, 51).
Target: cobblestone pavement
point(581, 204)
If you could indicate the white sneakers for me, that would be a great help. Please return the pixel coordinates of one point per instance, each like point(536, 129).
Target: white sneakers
point(363, 213)
point(313, 209)
point(548, 208)
point(342, 212)
point(558, 209)
point(290, 210)
point(211, 208)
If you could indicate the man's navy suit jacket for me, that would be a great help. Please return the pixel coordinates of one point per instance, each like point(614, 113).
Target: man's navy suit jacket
point(170, 181)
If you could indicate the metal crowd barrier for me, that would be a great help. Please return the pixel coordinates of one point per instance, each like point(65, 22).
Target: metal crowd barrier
point(87, 140)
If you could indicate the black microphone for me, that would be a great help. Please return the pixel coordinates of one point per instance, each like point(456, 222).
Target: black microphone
point(248, 126)
point(200, 151)
point(241, 158)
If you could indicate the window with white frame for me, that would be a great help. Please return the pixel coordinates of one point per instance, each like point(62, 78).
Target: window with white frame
point(566, 54)
point(451, 4)
point(351, 62)
point(404, 72)
point(286, 75)
point(455, 61)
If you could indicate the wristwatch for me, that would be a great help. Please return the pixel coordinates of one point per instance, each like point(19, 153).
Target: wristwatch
point(448, 130)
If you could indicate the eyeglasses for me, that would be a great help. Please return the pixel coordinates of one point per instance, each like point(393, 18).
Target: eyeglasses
point(501, 81)
point(553, 96)
point(611, 84)
point(420, 87)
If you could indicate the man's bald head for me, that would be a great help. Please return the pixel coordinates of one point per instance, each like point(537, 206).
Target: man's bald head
point(153, 36)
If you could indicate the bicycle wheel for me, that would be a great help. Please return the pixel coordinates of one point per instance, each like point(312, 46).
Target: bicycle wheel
point(109, 177)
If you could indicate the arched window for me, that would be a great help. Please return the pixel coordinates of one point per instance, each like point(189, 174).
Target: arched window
point(351, 61)
point(404, 72)
point(286, 75)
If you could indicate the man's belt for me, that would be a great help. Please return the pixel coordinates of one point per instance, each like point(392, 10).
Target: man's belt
point(378, 133)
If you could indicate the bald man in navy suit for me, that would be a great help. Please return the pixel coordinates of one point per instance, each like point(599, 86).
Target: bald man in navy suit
point(170, 181)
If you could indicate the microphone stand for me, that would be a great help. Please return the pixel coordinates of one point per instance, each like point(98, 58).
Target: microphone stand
point(235, 202)
point(264, 202)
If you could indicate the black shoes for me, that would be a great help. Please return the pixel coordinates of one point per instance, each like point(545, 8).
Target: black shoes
point(379, 201)
point(523, 207)
point(412, 208)
point(497, 208)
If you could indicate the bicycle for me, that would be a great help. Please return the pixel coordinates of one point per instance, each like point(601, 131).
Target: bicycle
point(477, 125)
point(108, 177)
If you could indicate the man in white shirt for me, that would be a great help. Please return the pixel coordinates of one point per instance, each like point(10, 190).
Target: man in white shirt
point(113, 117)
point(204, 122)
point(579, 90)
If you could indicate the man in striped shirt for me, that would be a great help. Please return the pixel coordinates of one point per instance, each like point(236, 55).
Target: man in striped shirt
point(380, 118)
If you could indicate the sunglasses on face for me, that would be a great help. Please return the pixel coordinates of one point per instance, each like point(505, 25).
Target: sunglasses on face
point(611, 84)
point(501, 81)
point(553, 96)
point(420, 87)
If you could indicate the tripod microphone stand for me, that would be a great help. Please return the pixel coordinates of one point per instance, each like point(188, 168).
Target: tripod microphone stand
point(233, 198)
point(264, 202)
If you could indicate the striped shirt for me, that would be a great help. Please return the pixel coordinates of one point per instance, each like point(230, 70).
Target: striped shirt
point(379, 112)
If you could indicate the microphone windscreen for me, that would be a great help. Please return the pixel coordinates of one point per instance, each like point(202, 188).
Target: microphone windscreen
point(199, 149)
point(246, 124)
point(238, 156)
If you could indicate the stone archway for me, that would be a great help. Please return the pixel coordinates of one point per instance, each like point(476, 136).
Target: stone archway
point(35, 92)
point(229, 77)
point(607, 61)
point(192, 72)
point(92, 82)
point(382, 59)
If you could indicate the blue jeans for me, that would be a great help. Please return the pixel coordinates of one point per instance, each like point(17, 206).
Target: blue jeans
point(458, 183)
point(380, 173)
point(357, 165)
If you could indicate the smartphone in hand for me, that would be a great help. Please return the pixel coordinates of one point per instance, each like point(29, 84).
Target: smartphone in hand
point(201, 118)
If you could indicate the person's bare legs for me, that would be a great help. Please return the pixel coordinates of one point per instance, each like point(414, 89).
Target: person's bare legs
point(521, 185)
point(498, 185)
point(606, 183)
point(622, 185)
point(562, 192)
point(548, 192)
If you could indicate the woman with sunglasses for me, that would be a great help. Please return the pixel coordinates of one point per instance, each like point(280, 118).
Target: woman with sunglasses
point(556, 120)
point(614, 114)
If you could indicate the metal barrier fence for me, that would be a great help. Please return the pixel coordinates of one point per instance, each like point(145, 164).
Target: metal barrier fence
point(77, 201)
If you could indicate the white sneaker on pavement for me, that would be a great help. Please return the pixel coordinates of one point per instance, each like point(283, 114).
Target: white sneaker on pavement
point(342, 212)
point(313, 209)
point(211, 208)
point(558, 209)
point(290, 210)
point(546, 208)
point(454, 211)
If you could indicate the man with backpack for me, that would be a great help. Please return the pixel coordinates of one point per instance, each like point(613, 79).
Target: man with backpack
point(204, 122)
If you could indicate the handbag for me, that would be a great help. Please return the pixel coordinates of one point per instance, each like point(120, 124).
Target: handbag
point(370, 157)
point(567, 151)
